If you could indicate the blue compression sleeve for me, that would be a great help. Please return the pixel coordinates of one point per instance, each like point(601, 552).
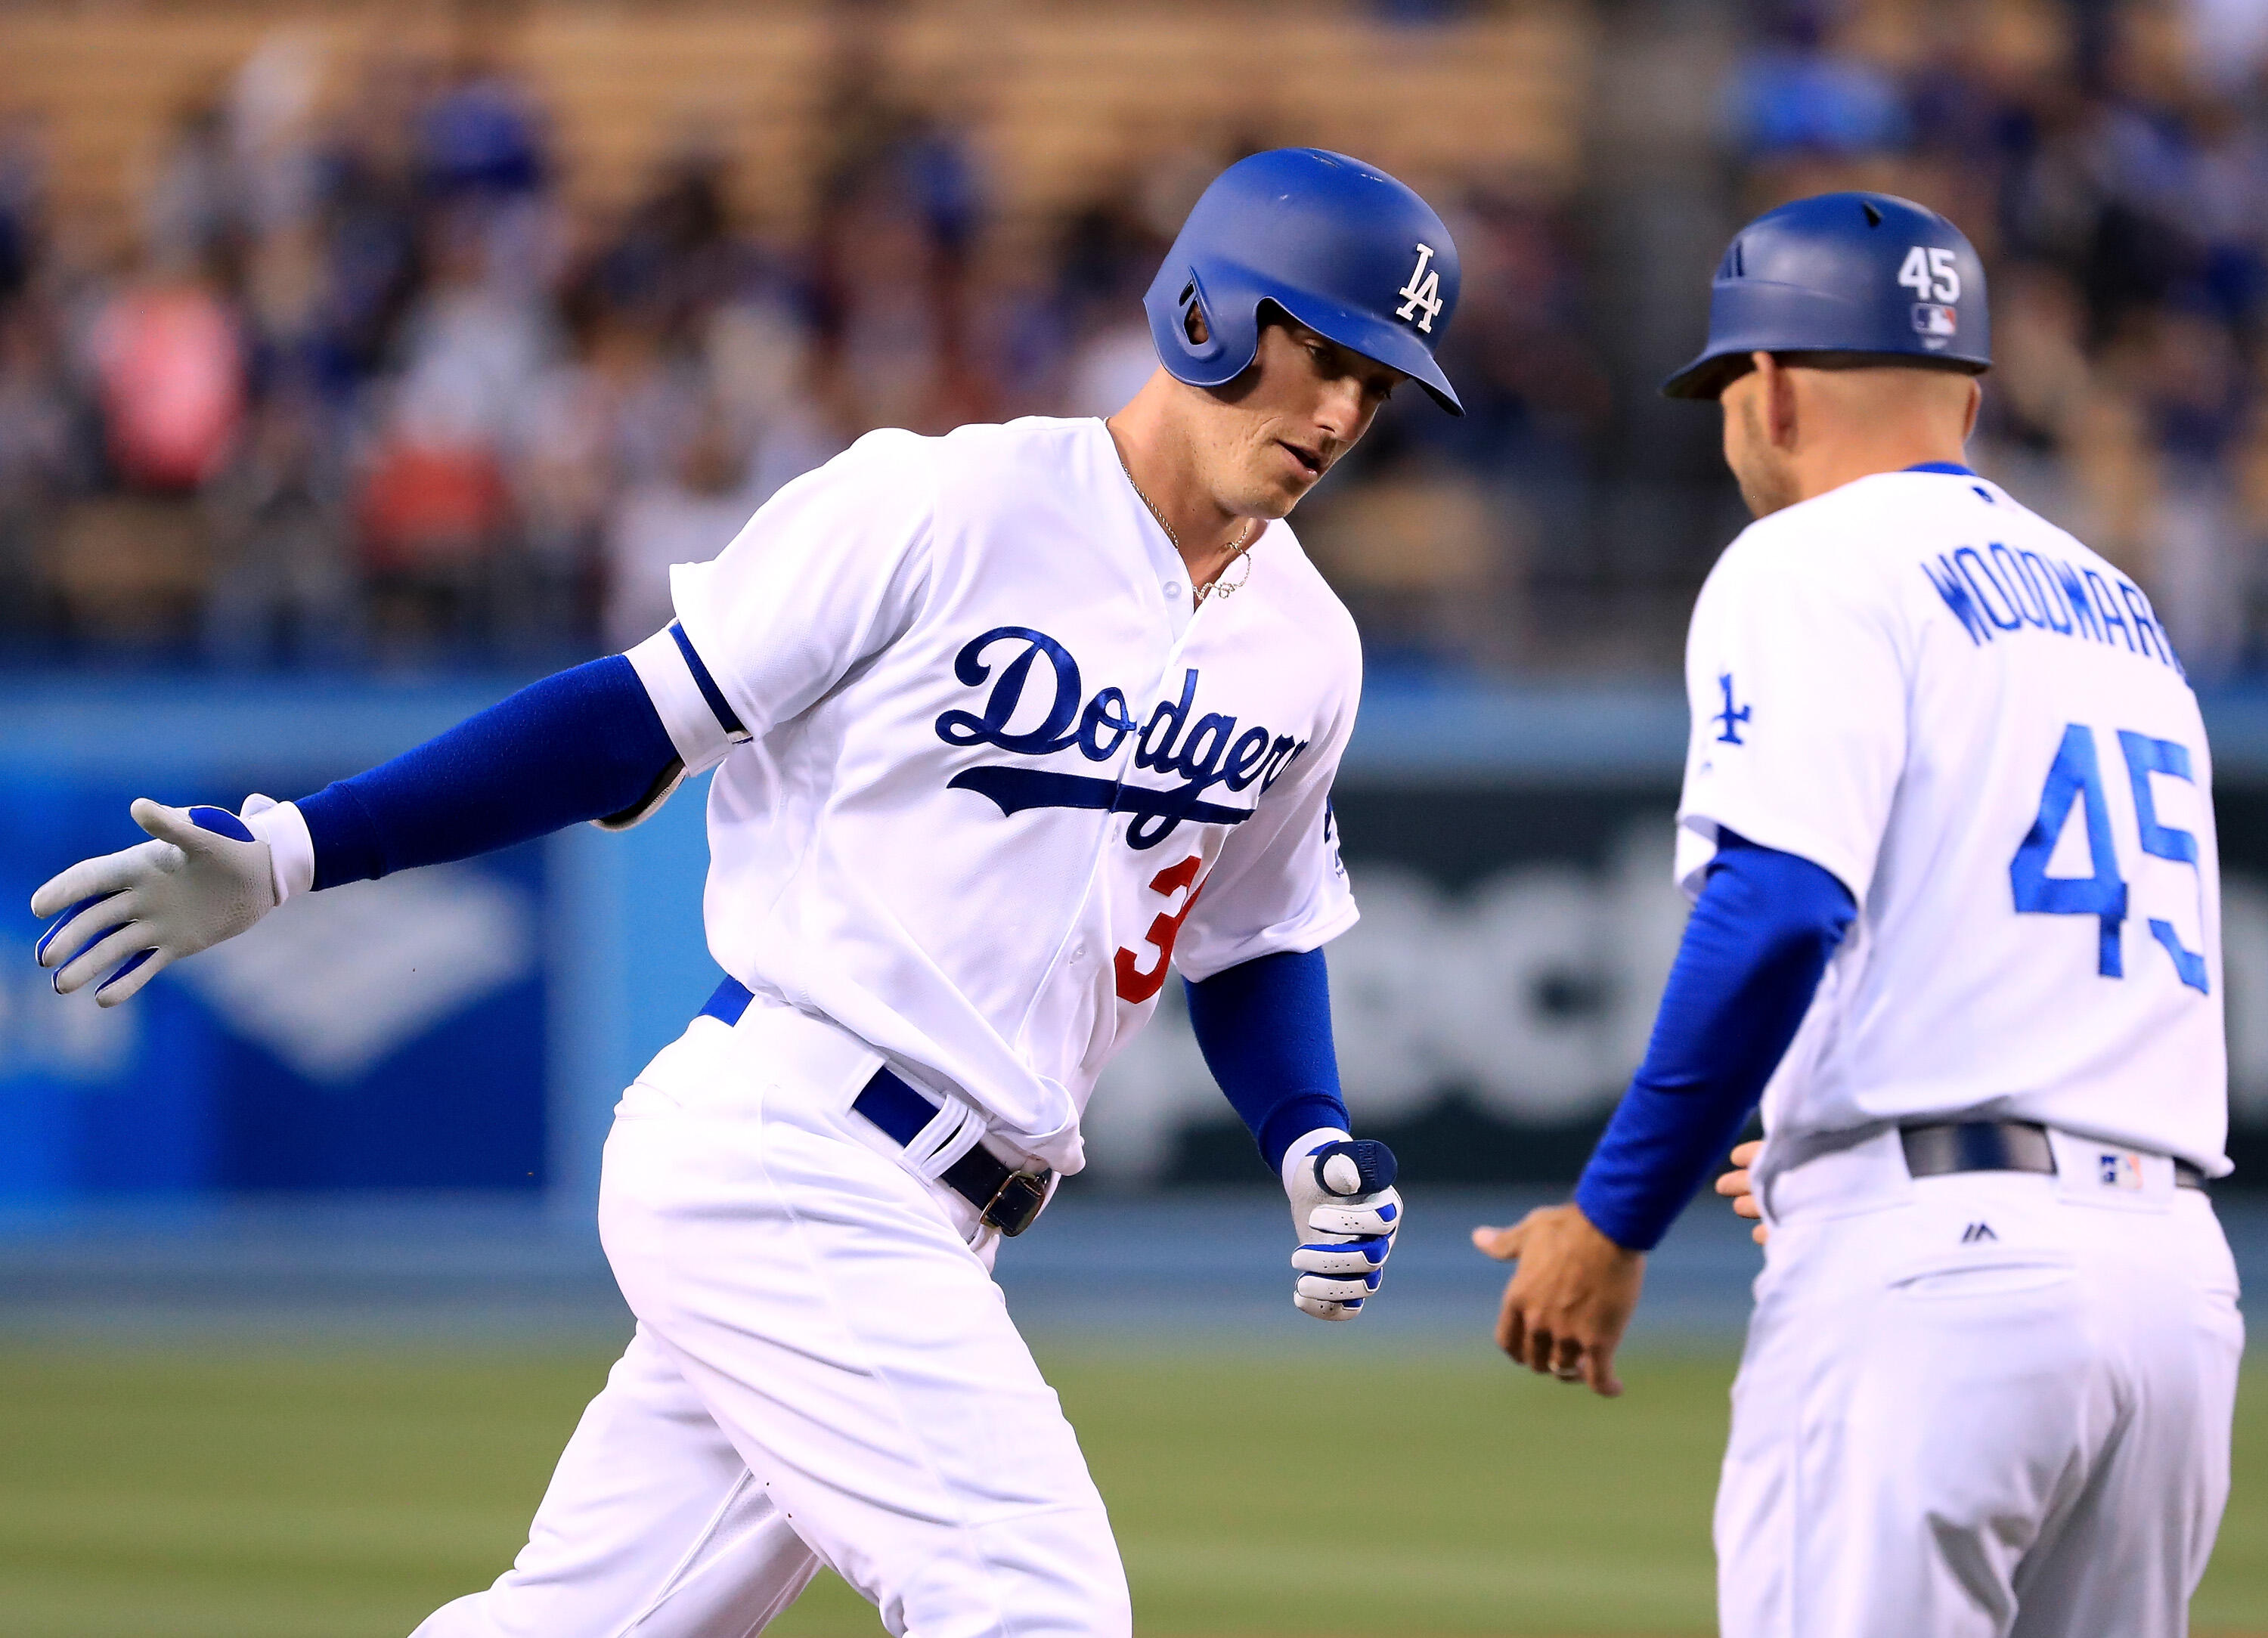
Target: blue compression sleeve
point(1753, 951)
point(586, 743)
point(1264, 1026)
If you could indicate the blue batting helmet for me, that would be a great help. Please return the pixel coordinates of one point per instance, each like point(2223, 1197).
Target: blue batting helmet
point(1339, 244)
point(1843, 273)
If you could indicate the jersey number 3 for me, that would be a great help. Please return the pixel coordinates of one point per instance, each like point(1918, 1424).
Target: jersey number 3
point(2076, 776)
point(1135, 982)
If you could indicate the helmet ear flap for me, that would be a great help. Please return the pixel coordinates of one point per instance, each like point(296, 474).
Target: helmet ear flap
point(1194, 314)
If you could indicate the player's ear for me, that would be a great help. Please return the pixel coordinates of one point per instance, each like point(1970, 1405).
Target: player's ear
point(1976, 404)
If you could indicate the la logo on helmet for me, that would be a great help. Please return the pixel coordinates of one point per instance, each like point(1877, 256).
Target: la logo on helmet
point(1422, 296)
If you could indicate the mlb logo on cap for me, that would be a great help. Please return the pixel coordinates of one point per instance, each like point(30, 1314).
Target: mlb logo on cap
point(1935, 323)
point(2119, 1169)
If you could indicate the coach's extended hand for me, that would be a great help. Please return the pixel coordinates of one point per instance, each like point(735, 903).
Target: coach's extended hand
point(127, 916)
point(1567, 1304)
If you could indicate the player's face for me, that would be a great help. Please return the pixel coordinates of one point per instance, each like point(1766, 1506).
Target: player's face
point(1280, 426)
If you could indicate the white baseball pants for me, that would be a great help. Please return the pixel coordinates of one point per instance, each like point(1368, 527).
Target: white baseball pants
point(823, 1373)
point(1991, 1405)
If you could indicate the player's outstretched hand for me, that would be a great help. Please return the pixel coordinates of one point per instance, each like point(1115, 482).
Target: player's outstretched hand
point(125, 917)
point(1737, 1186)
point(1567, 1304)
point(1346, 1212)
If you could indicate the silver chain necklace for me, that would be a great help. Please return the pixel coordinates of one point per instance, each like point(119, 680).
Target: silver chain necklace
point(1240, 556)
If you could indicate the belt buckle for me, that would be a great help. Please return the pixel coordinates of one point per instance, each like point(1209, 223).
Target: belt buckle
point(1015, 1205)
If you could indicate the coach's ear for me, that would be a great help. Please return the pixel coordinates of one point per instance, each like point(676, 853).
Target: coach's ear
point(1777, 388)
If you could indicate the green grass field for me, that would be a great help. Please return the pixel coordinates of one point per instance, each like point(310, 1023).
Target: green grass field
point(239, 1495)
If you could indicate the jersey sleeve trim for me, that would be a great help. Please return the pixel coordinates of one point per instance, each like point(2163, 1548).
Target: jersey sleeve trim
point(1765, 831)
point(827, 574)
point(701, 725)
point(725, 717)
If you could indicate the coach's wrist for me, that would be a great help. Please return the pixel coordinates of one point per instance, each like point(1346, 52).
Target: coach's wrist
point(1609, 1240)
point(1632, 1226)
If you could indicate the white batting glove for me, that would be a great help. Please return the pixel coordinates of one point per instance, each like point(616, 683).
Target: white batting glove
point(126, 917)
point(1346, 1214)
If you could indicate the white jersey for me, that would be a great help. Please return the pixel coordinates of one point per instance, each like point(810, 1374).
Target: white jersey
point(1977, 725)
point(982, 773)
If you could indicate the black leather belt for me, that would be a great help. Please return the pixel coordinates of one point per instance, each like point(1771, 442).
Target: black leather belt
point(1946, 1147)
point(1007, 1198)
point(1004, 1198)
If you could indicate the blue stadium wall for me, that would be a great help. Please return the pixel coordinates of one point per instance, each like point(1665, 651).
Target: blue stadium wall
point(468, 1028)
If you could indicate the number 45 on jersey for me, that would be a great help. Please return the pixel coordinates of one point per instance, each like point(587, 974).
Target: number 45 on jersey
point(2076, 776)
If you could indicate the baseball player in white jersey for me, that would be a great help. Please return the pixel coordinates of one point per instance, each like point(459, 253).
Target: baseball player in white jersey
point(1002, 724)
point(1948, 827)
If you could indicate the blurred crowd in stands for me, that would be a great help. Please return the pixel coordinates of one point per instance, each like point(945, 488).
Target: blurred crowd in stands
point(372, 389)
point(371, 386)
point(2111, 164)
